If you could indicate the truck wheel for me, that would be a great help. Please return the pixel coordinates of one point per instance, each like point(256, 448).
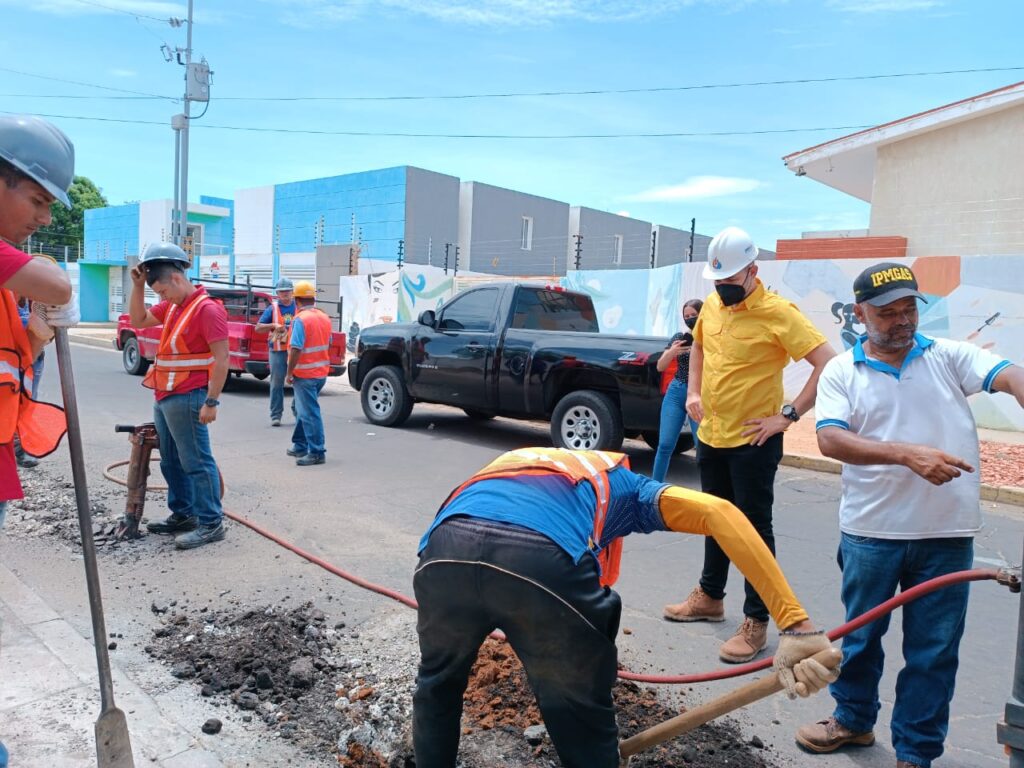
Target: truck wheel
point(132, 358)
point(587, 421)
point(386, 402)
point(476, 415)
point(683, 444)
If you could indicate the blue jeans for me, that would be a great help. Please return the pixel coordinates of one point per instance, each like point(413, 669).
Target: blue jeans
point(308, 436)
point(673, 414)
point(3, 519)
point(932, 628)
point(37, 375)
point(278, 368)
point(186, 460)
point(3, 755)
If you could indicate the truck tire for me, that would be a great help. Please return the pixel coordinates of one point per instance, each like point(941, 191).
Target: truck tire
point(587, 420)
point(476, 415)
point(386, 401)
point(132, 359)
point(683, 444)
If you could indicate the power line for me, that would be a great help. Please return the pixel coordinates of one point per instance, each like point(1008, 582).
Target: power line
point(122, 10)
point(86, 85)
point(79, 96)
point(389, 134)
point(600, 91)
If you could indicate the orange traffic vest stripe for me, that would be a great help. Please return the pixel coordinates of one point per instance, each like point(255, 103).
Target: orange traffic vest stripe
point(174, 361)
point(280, 345)
point(577, 466)
point(315, 359)
point(40, 426)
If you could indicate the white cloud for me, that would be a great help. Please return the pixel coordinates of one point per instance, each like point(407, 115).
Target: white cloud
point(697, 187)
point(122, 72)
point(495, 12)
point(885, 6)
point(155, 8)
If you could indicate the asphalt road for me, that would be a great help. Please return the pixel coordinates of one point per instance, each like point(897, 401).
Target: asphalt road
point(365, 509)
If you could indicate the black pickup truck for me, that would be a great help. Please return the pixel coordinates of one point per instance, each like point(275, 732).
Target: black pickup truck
point(522, 351)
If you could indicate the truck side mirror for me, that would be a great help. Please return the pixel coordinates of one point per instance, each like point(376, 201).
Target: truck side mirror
point(428, 318)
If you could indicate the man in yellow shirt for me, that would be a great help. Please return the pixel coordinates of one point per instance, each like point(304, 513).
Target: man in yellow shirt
point(743, 340)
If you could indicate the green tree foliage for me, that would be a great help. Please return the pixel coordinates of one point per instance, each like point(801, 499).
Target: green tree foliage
point(68, 226)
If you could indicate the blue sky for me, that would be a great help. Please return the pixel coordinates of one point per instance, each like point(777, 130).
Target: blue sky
point(276, 48)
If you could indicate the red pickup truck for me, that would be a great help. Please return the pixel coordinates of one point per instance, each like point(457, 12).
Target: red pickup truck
point(248, 351)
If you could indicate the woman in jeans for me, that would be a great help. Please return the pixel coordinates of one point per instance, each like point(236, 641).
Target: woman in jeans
point(673, 405)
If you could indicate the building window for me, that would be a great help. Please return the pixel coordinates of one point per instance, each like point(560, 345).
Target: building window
point(617, 250)
point(527, 234)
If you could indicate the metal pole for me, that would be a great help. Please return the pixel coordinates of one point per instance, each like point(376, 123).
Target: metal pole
point(183, 224)
point(176, 211)
point(1010, 732)
point(693, 229)
point(654, 246)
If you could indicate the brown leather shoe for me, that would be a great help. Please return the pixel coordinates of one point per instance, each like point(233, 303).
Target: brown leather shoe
point(829, 735)
point(750, 639)
point(697, 607)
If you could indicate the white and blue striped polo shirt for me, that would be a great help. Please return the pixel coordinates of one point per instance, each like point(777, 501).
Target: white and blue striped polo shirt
point(923, 402)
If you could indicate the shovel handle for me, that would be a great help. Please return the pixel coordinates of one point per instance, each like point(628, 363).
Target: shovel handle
point(693, 718)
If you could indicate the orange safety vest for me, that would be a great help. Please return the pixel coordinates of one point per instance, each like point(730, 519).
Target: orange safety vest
point(315, 359)
point(173, 358)
point(40, 426)
point(577, 467)
point(280, 345)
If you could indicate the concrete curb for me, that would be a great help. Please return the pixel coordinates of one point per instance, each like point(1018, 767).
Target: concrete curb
point(998, 493)
point(92, 341)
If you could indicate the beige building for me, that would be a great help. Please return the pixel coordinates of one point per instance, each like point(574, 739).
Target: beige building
point(949, 180)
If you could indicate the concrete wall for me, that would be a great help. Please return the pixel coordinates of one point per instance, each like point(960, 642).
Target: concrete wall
point(490, 231)
point(254, 222)
point(431, 215)
point(609, 241)
point(958, 190)
point(673, 244)
point(112, 232)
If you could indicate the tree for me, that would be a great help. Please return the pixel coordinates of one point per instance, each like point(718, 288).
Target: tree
point(68, 226)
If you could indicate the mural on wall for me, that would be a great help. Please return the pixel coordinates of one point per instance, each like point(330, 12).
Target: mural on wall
point(978, 299)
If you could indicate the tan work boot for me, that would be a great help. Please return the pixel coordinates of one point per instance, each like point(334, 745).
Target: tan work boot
point(829, 735)
point(697, 607)
point(750, 639)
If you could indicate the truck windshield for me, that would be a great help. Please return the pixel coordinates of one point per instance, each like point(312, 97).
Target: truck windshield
point(538, 309)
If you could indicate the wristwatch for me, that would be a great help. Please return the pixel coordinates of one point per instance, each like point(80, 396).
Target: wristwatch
point(211, 403)
point(790, 412)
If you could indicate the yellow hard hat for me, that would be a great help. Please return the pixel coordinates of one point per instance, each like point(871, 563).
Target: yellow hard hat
point(304, 290)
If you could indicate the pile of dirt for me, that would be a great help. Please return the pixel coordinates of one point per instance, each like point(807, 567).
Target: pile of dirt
point(1002, 464)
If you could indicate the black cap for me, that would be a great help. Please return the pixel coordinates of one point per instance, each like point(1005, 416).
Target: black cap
point(885, 283)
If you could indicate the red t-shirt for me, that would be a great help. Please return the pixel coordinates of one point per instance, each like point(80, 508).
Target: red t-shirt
point(11, 260)
point(208, 325)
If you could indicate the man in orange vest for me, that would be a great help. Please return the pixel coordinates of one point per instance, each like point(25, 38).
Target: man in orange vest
point(37, 166)
point(277, 321)
point(531, 545)
point(309, 362)
point(187, 377)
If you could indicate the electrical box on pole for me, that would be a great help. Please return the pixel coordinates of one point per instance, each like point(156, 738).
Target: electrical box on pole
point(197, 81)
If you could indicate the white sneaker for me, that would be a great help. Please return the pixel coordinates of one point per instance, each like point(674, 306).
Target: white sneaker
point(275, 422)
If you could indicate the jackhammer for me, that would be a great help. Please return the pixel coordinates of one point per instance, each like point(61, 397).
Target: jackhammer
point(143, 439)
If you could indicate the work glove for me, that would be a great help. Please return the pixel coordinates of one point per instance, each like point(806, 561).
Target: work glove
point(61, 315)
point(800, 675)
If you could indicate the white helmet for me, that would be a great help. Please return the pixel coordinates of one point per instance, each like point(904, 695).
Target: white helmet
point(730, 251)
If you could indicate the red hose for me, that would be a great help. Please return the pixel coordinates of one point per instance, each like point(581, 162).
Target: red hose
point(977, 574)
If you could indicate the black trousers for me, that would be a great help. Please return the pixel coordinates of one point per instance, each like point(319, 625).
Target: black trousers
point(476, 576)
point(744, 475)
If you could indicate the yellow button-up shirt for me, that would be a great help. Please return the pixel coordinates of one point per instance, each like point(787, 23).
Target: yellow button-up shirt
point(745, 347)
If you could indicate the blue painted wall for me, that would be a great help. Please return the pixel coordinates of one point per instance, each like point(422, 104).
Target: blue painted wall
point(93, 291)
point(218, 231)
point(377, 198)
point(108, 231)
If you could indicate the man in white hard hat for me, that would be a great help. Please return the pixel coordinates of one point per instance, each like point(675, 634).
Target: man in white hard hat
point(276, 320)
point(743, 339)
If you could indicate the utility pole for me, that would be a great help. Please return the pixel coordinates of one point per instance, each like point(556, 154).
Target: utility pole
point(197, 88)
point(654, 246)
point(579, 252)
point(693, 229)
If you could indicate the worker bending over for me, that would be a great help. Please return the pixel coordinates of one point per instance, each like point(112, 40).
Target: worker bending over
point(531, 545)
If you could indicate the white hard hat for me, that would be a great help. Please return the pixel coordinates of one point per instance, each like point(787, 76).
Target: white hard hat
point(729, 251)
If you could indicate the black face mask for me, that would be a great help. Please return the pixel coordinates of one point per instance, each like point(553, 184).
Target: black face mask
point(690, 322)
point(731, 294)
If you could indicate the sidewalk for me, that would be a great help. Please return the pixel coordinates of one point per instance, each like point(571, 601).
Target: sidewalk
point(94, 334)
point(49, 701)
